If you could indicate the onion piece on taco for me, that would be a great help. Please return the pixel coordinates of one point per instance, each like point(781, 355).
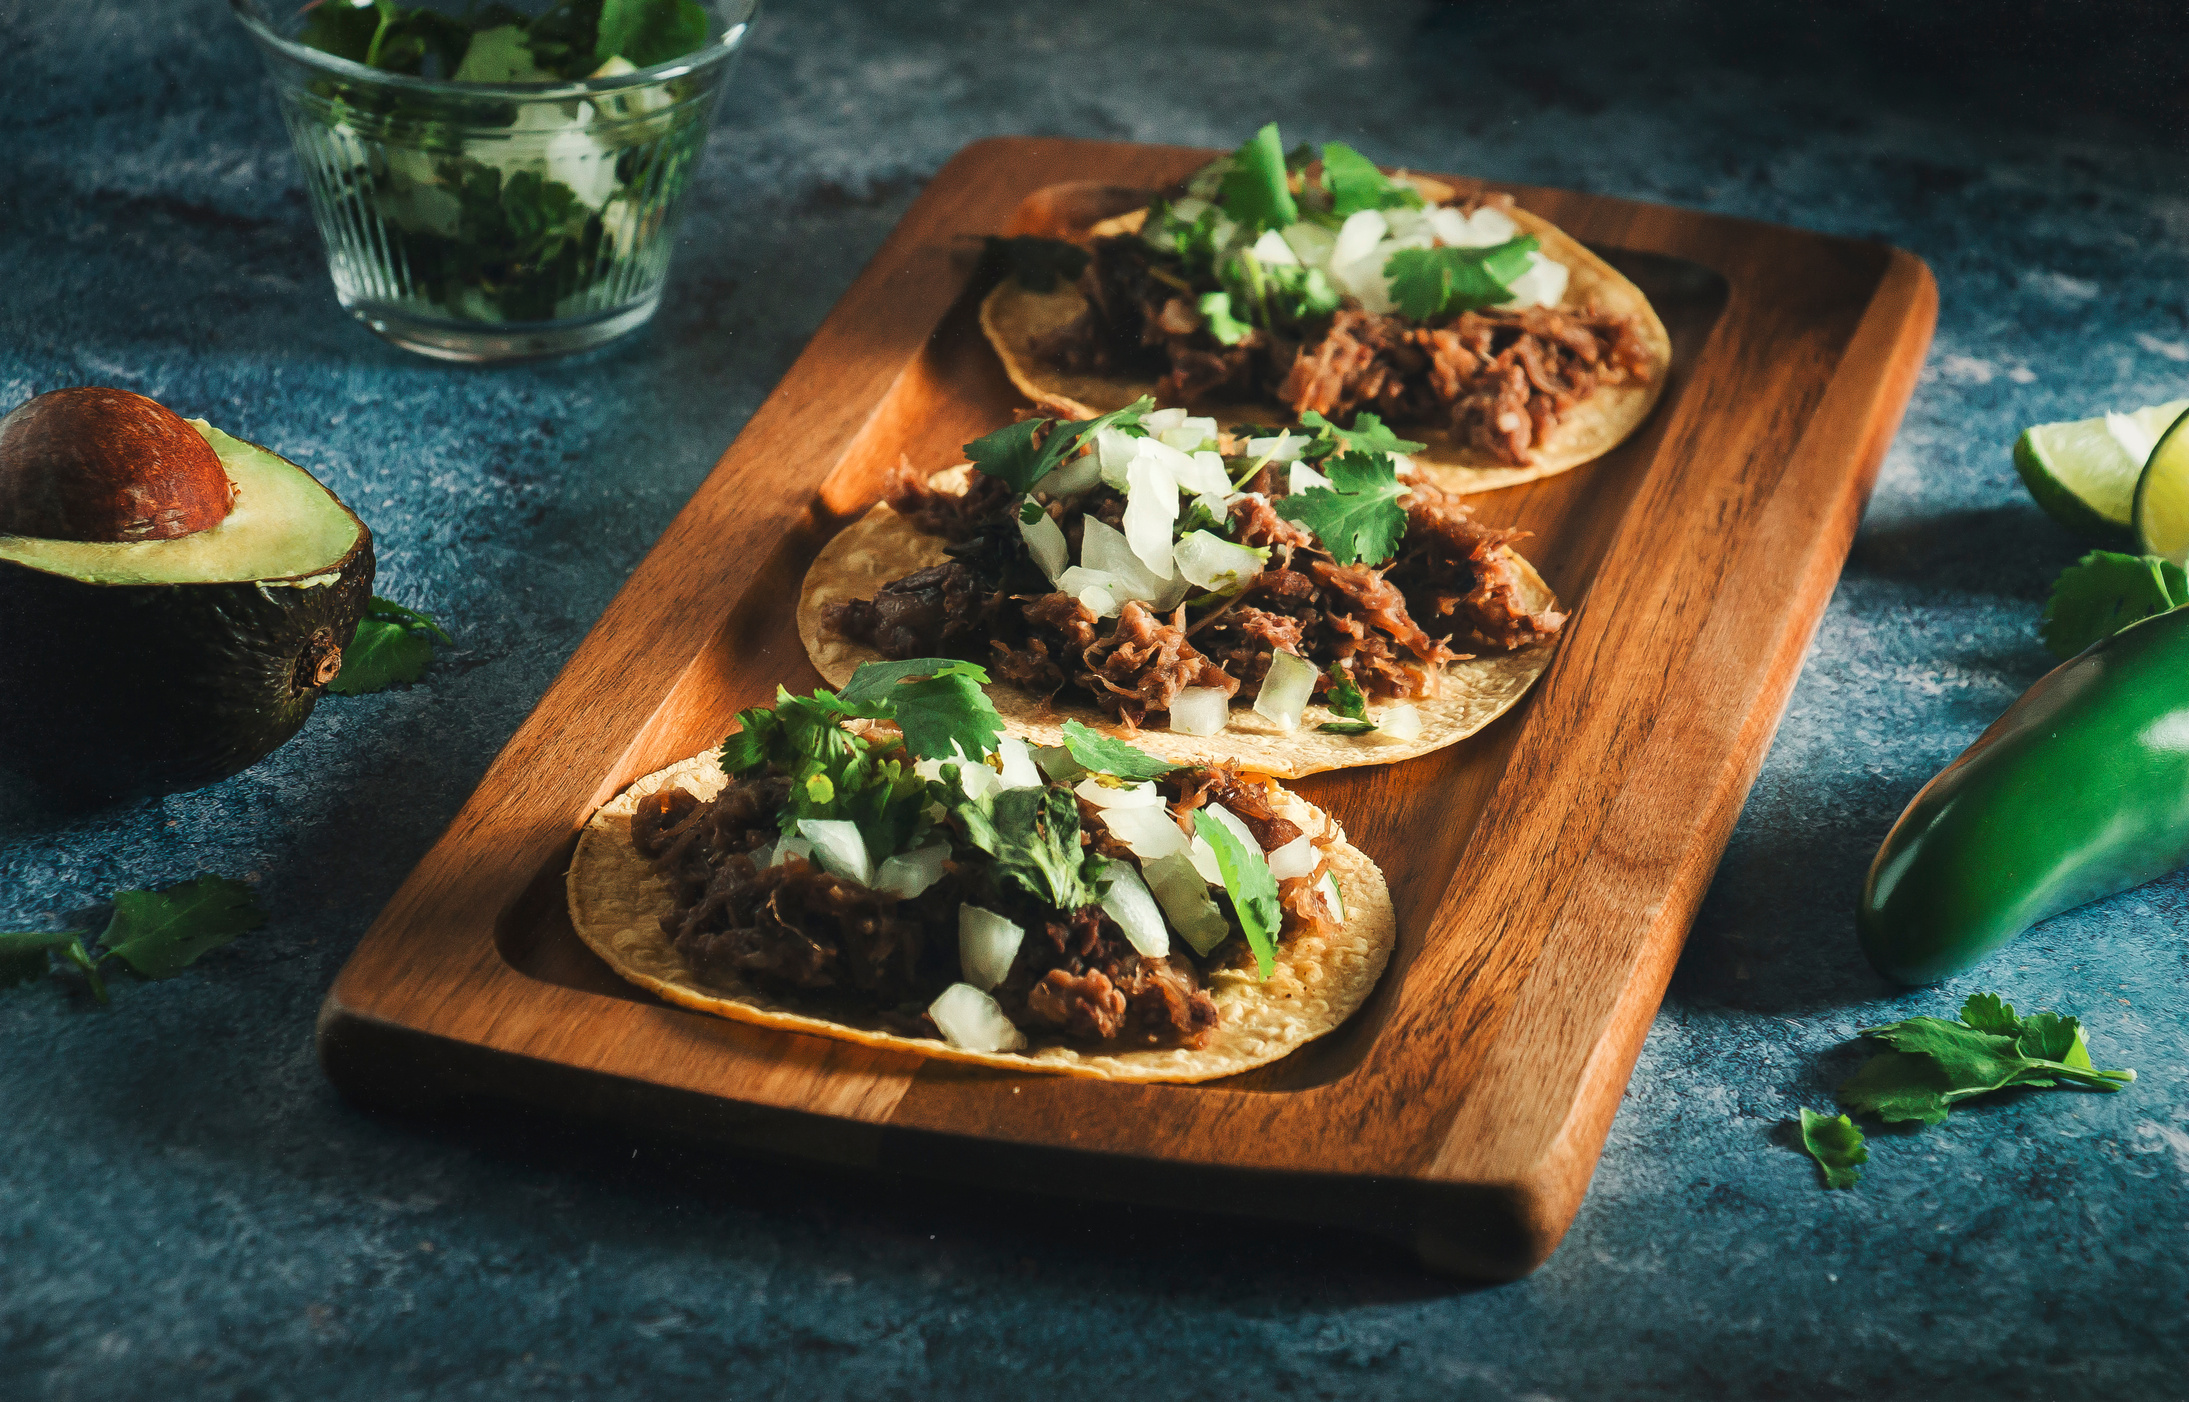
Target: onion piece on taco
point(884, 866)
point(1288, 601)
point(1274, 285)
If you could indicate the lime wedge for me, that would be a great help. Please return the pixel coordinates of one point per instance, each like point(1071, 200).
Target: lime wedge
point(2162, 497)
point(2084, 473)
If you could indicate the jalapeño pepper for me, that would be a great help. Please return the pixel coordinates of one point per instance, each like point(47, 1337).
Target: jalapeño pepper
point(2080, 790)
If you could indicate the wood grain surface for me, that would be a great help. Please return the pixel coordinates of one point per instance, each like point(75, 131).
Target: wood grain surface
point(1546, 871)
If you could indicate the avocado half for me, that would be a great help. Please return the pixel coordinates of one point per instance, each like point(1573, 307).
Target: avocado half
point(158, 665)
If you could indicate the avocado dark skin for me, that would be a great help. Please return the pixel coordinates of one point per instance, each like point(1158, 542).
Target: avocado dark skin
point(109, 689)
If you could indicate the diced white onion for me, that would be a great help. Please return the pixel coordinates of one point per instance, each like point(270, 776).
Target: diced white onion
point(987, 943)
point(1103, 549)
point(839, 848)
point(1310, 242)
point(928, 769)
point(1074, 476)
point(1237, 825)
point(1358, 237)
point(1285, 447)
point(973, 1021)
point(1542, 285)
point(1211, 562)
point(1401, 465)
point(1135, 911)
point(1018, 765)
point(1304, 477)
point(1184, 895)
point(1114, 449)
point(1491, 227)
point(1160, 421)
point(1284, 694)
point(1203, 474)
point(1151, 509)
point(1101, 795)
point(1099, 601)
point(1200, 710)
point(908, 873)
point(791, 847)
point(1366, 280)
point(1406, 223)
point(1204, 860)
point(1271, 250)
point(1295, 858)
point(1056, 761)
point(1045, 542)
point(976, 780)
point(1400, 722)
point(1189, 436)
point(1331, 899)
point(1187, 208)
point(1149, 833)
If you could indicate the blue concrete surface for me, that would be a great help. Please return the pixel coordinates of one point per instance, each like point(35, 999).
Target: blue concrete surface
point(188, 1210)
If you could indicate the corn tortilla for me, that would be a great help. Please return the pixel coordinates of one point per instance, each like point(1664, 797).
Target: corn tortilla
point(1014, 319)
point(617, 902)
point(882, 546)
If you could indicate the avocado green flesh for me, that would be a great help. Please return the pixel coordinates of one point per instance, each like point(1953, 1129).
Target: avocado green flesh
point(284, 526)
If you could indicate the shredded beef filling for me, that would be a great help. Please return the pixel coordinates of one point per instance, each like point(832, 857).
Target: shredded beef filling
point(1500, 381)
point(795, 929)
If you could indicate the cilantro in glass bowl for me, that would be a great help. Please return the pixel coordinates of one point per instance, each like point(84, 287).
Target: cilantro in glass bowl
point(495, 182)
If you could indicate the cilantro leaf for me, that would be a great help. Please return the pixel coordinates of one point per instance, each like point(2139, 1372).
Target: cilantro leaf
point(1009, 453)
point(1345, 698)
point(1036, 264)
point(1032, 833)
point(1367, 435)
point(1347, 727)
point(1253, 890)
point(1356, 184)
point(1836, 1145)
point(1255, 192)
point(1934, 1064)
point(947, 713)
point(1096, 751)
point(1216, 310)
point(1430, 282)
point(2103, 593)
point(500, 55)
point(158, 934)
point(646, 32)
point(392, 645)
point(1358, 516)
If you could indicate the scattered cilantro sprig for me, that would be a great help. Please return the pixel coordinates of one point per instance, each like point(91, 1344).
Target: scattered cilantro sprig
point(1358, 516)
point(1256, 191)
point(1009, 454)
point(1933, 1064)
point(1367, 435)
point(1433, 282)
point(494, 42)
point(1253, 890)
point(1836, 1145)
point(1355, 184)
point(392, 645)
point(2104, 592)
point(156, 934)
point(1345, 699)
point(1091, 749)
point(1032, 833)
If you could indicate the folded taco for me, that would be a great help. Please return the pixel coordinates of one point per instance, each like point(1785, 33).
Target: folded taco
point(842, 867)
point(1292, 602)
point(1278, 285)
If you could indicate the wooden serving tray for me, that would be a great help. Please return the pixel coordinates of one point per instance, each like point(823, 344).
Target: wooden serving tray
point(1545, 871)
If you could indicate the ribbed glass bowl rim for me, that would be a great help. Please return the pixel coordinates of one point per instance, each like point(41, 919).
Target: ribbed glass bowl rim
point(698, 61)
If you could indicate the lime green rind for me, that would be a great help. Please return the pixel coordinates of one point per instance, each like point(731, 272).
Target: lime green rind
point(2162, 497)
point(2061, 504)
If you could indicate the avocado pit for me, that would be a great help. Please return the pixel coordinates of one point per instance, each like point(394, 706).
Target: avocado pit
point(99, 464)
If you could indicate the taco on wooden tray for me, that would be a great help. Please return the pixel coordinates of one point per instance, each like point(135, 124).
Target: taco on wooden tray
point(1288, 601)
point(1273, 286)
point(885, 866)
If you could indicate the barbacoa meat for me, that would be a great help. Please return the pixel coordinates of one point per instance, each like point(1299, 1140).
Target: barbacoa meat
point(1499, 381)
point(1144, 663)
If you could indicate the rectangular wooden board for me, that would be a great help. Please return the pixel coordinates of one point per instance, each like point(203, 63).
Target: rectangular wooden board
point(1545, 871)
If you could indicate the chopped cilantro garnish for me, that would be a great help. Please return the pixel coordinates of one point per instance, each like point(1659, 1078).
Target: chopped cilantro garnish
point(1009, 453)
point(1935, 1064)
point(1431, 282)
point(1036, 264)
point(1034, 836)
point(1355, 184)
point(1358, 516)
point(486, 42)
point(1345, 698)
point(392, 645)
point(1216, 310)
point(1347, 727)
point(2104, 592)
point(1096, 751)
point(1367, 435)
point(157, 934)
point(1836, 1145)
point(1253, 890)
point(1255, 192)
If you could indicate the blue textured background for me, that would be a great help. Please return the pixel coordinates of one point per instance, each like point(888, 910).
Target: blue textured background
point(187, 1209)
